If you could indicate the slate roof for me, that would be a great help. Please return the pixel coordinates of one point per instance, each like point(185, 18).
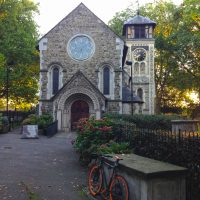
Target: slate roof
point(138, 19)
point(126, 96)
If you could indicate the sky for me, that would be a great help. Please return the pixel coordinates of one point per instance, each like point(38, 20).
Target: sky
point(53, 11)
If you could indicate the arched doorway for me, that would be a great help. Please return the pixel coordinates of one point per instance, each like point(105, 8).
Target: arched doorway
point(79, 109)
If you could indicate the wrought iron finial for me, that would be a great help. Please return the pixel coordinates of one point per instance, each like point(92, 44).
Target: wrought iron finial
point(138, 5)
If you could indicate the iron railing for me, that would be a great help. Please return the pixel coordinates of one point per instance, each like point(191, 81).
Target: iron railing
point(182, 148)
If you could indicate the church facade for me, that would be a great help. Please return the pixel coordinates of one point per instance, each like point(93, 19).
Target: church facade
point(83, 71)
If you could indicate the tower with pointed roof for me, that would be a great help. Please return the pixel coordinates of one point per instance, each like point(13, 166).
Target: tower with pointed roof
point(138, 33)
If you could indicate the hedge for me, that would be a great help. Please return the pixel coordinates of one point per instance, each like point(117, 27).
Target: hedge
point(162, 122)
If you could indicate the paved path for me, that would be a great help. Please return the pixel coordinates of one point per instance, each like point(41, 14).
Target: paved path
point(44, 167)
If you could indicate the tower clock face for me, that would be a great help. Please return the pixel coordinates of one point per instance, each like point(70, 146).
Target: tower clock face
point(80, 47)
point(139, 54)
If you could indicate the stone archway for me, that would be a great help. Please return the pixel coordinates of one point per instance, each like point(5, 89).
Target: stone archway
point(79, 109)
point(65, 102)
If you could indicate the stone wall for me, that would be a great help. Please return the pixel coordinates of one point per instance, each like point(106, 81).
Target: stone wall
point(149, 179)
point(146, 80)
point(113, 107)
point(108, 48)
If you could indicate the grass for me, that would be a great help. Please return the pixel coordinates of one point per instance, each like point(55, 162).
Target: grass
point(31, 195)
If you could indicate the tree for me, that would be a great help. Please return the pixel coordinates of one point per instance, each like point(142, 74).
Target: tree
point(165, 64)
point(177, 43)
point(187, 39)
point(116, 24)
point(19, 67)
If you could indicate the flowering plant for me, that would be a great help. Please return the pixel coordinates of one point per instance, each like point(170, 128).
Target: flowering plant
point(91, 134)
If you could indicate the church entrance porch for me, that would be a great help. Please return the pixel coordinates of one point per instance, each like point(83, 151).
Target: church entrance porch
point(79, 109)
point(79, 98)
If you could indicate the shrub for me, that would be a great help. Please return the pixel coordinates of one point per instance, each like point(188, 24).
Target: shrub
point(4, 123)
point(114, 147)
point(162, 122)
point(100, 136)
point(91, 134)
point(122, 128)
point(30, 120)
point(42, 121)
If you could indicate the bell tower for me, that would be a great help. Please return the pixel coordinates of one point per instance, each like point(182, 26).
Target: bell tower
point(138, 33)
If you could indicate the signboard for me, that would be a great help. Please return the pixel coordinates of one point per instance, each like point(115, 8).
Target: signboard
point(30, 131)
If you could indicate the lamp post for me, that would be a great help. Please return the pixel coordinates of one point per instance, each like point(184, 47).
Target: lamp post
point(130, 63)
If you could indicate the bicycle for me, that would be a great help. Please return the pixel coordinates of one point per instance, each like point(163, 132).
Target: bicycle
point(114, 187)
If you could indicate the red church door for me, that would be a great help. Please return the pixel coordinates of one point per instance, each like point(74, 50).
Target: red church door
point(79, 109)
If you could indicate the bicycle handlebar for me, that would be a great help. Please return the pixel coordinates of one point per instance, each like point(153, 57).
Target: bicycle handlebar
point(103, 156)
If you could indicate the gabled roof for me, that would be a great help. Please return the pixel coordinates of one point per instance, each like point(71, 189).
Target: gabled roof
point(75, 77)
point(81, 4)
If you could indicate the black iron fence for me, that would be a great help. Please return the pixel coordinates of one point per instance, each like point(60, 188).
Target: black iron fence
point(14, 117)
point(181, 148)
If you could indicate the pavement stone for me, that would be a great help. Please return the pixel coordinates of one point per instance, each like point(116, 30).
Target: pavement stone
point(45, 167)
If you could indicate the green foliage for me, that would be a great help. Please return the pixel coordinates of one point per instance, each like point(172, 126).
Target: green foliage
point(30, 194)
point(162, 122)
point(42, 121)
point(177, 42)
point(3, 120)
point(118, 20)
point(30, 120)
point(4, 124)
point(97, 136)
point(93, 132)
point(18, 56)
point(121, 127)
point(114, 148)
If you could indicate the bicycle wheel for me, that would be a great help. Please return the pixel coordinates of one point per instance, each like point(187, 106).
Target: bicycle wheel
point(95, 180)
point(119, 189)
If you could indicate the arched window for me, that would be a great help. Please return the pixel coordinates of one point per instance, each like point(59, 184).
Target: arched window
point(55, 78)
point(140, 93)
point(136, 68)
point(106, 80)
point(142, 68)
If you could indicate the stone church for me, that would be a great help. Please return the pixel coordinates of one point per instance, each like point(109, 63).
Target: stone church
point(87, 70)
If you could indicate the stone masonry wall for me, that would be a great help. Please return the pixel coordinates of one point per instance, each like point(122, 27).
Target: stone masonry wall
point(81, 21)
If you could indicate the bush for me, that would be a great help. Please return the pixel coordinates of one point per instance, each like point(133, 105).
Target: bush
point(114, 147)
point(42, 121)
point(97, 136)
point(162, 122)
point(122, 129)
point(91, 131)
point(4, 124)
point(30, 120)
